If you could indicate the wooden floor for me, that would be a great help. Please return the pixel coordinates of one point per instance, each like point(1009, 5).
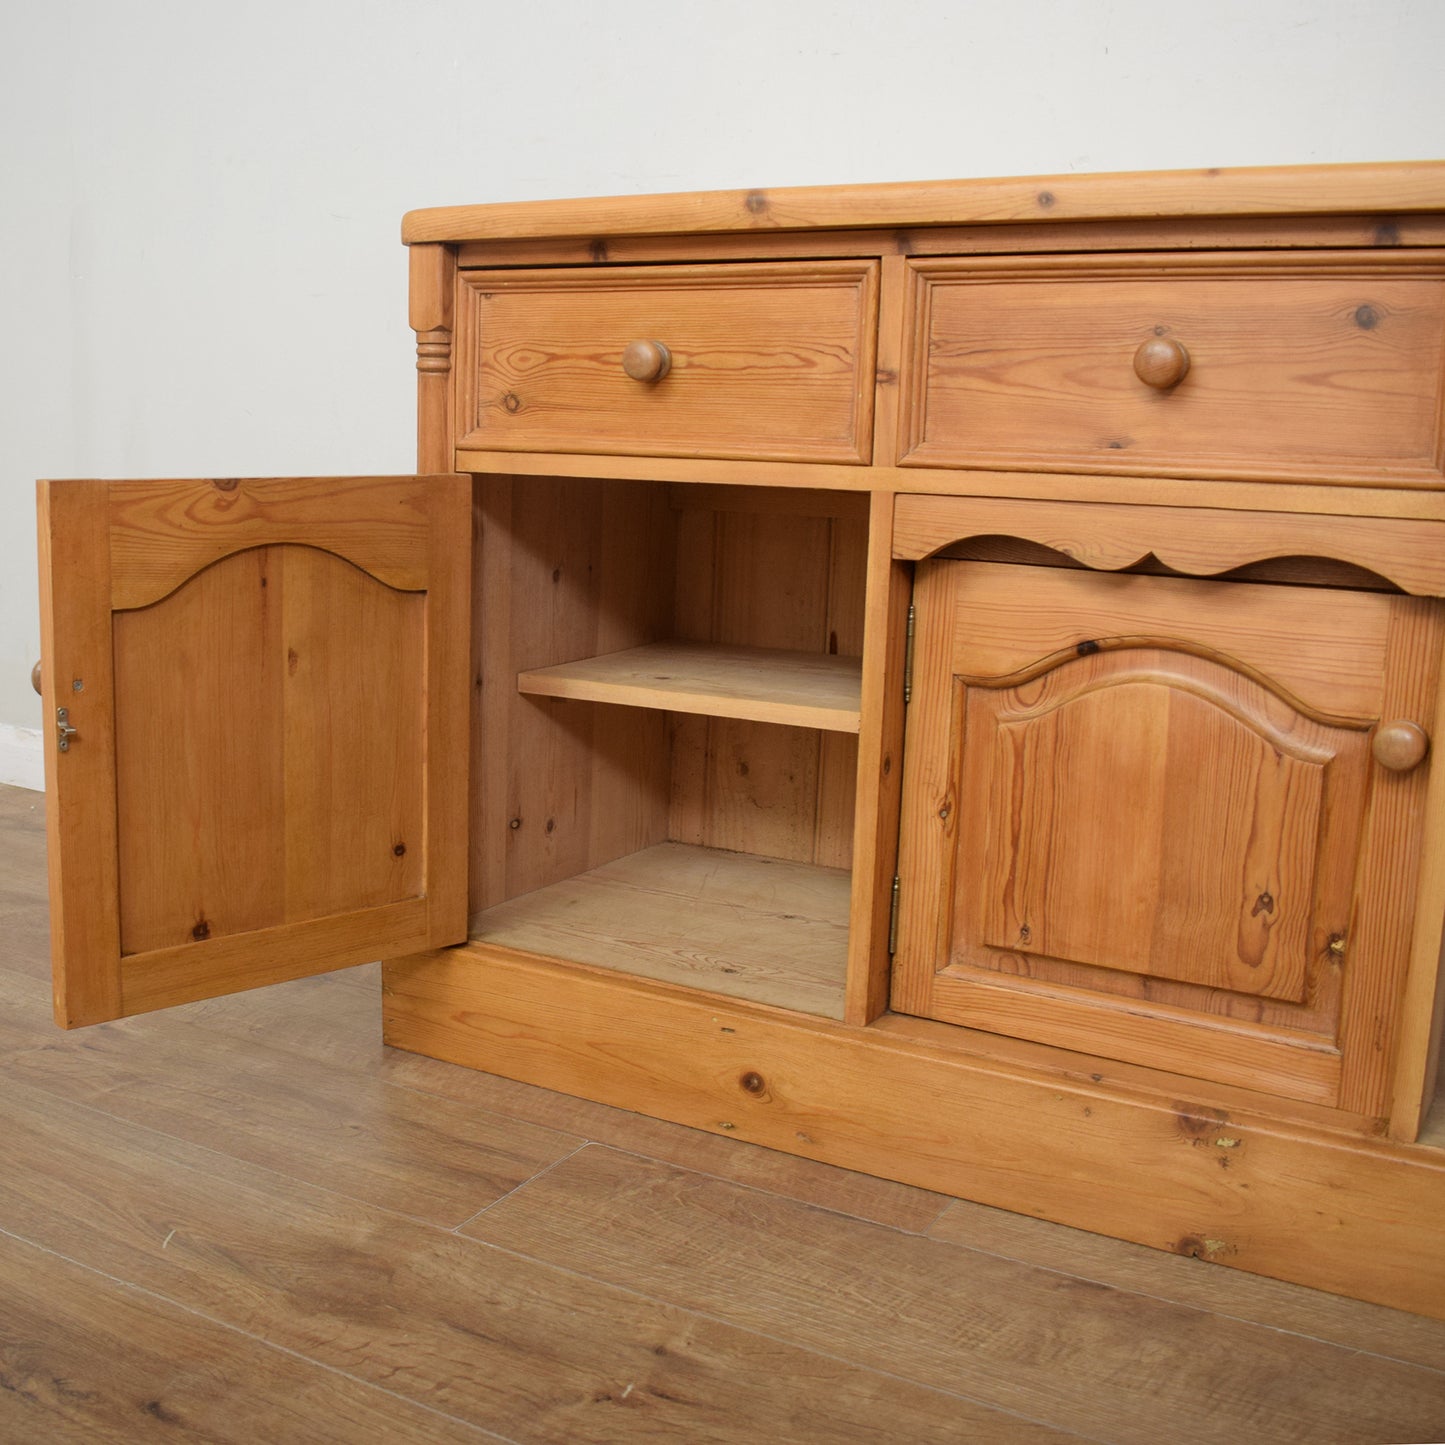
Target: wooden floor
point(248, 1221)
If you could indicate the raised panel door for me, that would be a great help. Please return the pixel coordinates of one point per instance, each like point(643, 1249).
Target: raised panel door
point(260, 771)
point(1143, 820)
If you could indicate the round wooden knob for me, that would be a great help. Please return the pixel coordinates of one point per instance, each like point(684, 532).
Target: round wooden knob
point(1400, 746)
point(646, 360)
point(35, 677)
point(1161, 362)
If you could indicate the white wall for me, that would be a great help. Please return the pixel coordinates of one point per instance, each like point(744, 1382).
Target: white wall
point(199, 202)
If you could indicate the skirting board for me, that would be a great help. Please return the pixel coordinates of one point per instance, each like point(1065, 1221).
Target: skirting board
point(22, 758)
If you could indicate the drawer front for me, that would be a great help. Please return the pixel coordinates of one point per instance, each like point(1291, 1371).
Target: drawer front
point(772, 362)
point(1322, 369)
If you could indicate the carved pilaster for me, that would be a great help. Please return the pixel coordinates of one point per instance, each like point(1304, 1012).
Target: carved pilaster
point(433, 275)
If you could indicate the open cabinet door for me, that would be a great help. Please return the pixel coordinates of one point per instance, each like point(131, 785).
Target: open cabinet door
point(255, 696)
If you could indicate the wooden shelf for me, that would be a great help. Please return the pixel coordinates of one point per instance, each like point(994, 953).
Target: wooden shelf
point(761, 929)
point(803, 689)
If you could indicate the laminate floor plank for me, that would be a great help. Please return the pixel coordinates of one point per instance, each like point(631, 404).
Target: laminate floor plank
point(256, 1196)
point(24, 915)
point(1195, 1282)
point(347, 1131)
point(84, 1358)
point(316, 1018)
point(528, 1350)
point(1111, 1363)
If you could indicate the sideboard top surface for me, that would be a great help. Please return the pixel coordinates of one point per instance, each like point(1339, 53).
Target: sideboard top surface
point(1405, 187)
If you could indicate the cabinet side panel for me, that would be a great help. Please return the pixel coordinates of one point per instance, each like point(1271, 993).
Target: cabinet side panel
point(838, 755)
point(566, 569)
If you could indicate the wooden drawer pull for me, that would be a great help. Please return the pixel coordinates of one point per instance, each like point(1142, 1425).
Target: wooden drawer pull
point(1400, 746)
point(1161, 362)
point(35, 677)
point(646, 360)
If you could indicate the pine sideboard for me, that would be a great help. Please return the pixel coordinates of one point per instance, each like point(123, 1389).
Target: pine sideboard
point(937, 678)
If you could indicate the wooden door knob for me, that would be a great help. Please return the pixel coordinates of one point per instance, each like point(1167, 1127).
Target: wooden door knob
point(1161, 362)
point(35, 677)
point(1400, 746)
point(646, 360)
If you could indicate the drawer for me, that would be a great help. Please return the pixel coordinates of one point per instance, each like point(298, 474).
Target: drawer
point(768, 361)
point(1326, 367)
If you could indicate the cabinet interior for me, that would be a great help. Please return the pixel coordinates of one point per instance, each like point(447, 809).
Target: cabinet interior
point(666, 730)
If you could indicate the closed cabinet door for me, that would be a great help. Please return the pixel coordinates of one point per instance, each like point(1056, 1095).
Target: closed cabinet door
point(256, 704)
point(1146, 818)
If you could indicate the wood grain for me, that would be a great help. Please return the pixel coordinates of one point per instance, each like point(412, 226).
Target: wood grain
point(706, 1245)
point(1379, 947)
point(783, 574)
point(794, 688)
point(1189, 1281)
point(1326, 369)
point(771, 931)
point(278, 1288)
point(164, 532)
point(1260, 627)
point(77, 672)
point(274, 732)
point(766, 361)
point(500, 1343)
point(1198, 541)
point(333, 1020)
point(1239, 191)
point(880, 752)
point(1156, 234)
point(431, 293)
point(319, 779)
point(1035, 913)
point(566, 570)
point(347, 1131)
point(1071, 1138)
point(85, 1358)
point(1045, 482)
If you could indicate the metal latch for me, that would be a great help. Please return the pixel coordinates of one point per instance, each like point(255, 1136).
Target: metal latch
point(63, 727)
point(908, 659)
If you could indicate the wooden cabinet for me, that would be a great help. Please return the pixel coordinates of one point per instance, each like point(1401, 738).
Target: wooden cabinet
point(937, 679)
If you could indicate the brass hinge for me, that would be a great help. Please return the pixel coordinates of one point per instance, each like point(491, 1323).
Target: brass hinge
point(893, 920)
point(908, 660)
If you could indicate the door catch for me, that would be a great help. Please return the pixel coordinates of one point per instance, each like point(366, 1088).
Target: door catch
point(63, 727)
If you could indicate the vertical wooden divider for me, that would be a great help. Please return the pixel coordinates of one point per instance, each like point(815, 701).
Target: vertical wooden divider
point(880, 740)
point(432, 290)
point(1417, 1053)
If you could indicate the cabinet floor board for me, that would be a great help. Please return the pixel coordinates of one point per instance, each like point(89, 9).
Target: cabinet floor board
point(763, 929)
point(1061, 1348)
point(631, 1298)
point(526, 1350)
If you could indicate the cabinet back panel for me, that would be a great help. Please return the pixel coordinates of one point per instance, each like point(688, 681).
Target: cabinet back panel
point(771, 577)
